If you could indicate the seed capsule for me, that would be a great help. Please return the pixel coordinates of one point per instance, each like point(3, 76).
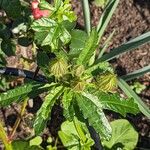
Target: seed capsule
point(107, 82)
point(58, 68)
point(79, 86)
point(79, 70)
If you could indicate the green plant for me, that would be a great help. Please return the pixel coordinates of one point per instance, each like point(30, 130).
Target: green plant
point(3, 84)
point(101, 3)
point(32, 144)
point(84, 83)
point(123, 136)
point(138, 87)
point(74, 135)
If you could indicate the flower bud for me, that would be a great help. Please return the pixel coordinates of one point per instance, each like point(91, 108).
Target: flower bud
point(36, 12)
point(45, 13)
point(107, 82)
point(58, 68)
point(78, 86)
point(34, 4)
point(79, 70)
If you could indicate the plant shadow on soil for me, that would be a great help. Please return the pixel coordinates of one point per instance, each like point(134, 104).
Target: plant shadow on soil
point(144, 4)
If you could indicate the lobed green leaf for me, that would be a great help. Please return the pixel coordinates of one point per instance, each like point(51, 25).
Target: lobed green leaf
point(92, 110)
point(19, 93)
point(43, 113)
point(89, 49)
point(71, 138)
point(115, 103)
point(78, 40)
point(49, 32)
point(122, 133)
point(68, 110)
point(25, 145)
point(63, 11)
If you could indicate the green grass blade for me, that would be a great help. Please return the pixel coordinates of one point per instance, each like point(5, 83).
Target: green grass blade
point(106, 16)
point(106, 44)
point(136, 73)
point(87, 16)
point(134, 43)
point(130, 93)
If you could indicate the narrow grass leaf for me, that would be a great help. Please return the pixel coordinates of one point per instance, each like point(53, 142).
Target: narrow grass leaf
point(136, 73)
point(130, 93)
point(134, 43)
point(106, 44)
point(87, 16)
point(106, 16)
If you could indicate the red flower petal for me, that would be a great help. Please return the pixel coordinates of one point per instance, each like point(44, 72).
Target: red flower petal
point(37, 13)
point(45, 13)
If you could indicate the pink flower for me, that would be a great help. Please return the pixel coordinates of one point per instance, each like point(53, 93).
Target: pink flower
point(37, 13)
point(45, 13)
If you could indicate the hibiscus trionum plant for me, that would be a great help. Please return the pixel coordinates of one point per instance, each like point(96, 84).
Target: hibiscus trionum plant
point(76, 73)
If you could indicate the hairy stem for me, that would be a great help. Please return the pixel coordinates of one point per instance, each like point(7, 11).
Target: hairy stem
point(18, 119)
point(4, 138)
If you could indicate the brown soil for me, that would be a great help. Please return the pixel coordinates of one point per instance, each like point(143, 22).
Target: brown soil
point(131, 19)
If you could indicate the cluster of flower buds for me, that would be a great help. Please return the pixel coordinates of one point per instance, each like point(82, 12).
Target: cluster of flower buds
point(36, 12)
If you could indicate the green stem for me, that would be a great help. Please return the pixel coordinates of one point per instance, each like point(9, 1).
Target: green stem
point(87, 16)
point(18, 119)
point(79, 130)
point(4, 138)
